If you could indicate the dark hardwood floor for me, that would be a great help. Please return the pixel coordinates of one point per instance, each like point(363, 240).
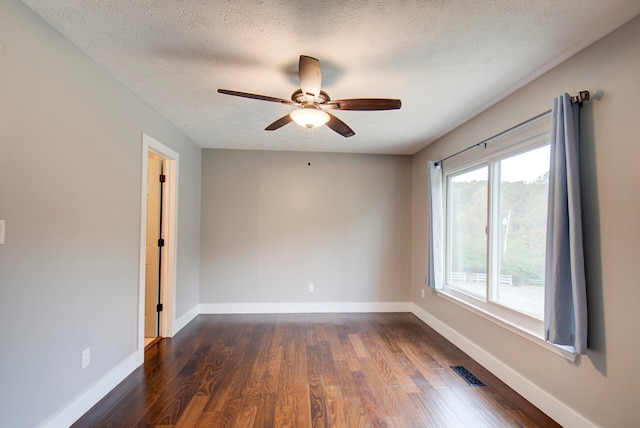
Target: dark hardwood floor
point(310, 370)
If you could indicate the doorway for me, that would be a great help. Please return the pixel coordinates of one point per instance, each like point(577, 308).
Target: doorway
point(157, 242)
point(154, 248)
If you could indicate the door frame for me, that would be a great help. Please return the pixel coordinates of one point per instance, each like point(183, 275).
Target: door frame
point(169, 231)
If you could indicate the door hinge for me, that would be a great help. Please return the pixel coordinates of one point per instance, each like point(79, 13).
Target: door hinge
point(159, 307)
point(163, 178)
point(160, 242)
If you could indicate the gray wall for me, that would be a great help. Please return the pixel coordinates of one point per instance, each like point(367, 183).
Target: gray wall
point(70, 181)
point(271, 224)
point(70, 171)
point(603, 385)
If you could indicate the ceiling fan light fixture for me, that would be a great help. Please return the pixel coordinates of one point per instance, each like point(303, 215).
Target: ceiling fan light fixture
point(309, 116)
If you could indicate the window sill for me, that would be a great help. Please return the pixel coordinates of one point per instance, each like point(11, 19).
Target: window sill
point(519, 330)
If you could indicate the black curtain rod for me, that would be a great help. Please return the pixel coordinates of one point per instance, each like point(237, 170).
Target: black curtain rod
point(580, 98)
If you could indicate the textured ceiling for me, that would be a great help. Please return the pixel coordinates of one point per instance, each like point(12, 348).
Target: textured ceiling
point(431, 54)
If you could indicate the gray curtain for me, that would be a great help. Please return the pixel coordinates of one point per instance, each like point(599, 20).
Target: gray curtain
point(435, 228)
point(565, 286)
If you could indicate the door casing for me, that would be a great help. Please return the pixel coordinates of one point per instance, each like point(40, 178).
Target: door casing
point(169, 226)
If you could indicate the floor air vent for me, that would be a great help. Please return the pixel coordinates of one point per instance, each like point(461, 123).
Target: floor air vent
point(467, 375)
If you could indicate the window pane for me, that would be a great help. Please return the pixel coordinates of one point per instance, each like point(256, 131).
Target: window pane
point(524, 185)
point(468, 220)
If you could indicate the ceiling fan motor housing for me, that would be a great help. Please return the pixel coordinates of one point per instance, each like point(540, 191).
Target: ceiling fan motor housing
point(300, 97)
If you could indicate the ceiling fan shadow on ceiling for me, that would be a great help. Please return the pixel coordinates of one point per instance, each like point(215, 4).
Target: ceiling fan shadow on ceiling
point(312, 102)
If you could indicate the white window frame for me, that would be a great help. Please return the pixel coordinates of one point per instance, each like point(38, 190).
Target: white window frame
point(524, 138)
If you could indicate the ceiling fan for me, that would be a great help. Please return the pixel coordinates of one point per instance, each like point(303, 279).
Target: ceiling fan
point(312, 102)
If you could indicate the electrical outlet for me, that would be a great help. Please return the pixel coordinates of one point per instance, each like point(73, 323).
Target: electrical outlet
point(86, 357)
point(311, 287)
point(422, 292)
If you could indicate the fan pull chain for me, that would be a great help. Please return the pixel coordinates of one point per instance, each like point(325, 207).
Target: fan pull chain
point(309, 151)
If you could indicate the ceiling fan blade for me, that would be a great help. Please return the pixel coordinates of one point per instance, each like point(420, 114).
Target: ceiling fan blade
point(310, 77)
point(366, 104)
point(255, 96)
point(339, 126)
point(279, 123)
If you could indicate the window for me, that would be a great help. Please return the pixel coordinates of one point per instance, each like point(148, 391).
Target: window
point(496, 223)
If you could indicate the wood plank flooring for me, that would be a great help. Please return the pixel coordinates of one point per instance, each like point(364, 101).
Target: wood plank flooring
point(309, 370)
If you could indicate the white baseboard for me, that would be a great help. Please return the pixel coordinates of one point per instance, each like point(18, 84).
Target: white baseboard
point(71, 413)
point(557, 410)
point(303, 307)
point(185, 319)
